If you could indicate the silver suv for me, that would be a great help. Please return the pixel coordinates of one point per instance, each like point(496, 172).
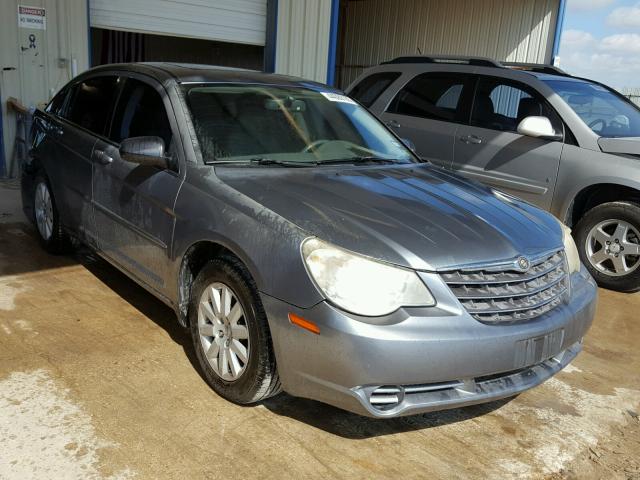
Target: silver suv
point(566, 144)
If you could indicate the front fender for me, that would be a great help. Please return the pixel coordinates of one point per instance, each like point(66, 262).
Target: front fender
point(580, 169)
point(267, 244)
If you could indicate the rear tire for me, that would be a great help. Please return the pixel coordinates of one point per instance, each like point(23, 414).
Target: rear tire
point(231, 338)
point(608, 240)
point(47, 219)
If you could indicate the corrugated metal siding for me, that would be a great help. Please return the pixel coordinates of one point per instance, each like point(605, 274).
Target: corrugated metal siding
point(236, 21)
point(64, 43)
point(378, 30)
point(302, 44)
point(632, 94)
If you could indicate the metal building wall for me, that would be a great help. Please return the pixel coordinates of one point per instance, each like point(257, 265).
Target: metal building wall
point(632, 94)
point(303, 37)
point(33, 75)
point(378, 30)
point(236, 21)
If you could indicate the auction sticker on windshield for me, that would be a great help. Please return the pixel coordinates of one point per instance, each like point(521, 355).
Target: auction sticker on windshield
point(336, 97)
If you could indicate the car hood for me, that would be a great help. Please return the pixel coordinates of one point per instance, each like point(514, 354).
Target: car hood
point(628, 145)
point(417, 216)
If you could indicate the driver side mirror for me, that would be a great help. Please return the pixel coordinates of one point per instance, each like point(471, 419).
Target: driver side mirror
point(147, 151)
point(538, 127)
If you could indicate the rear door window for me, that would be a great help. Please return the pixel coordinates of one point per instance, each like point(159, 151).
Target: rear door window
point(92, 101)
point(59, 103)
point(432, 95)
point(501, 104)
point(370, 88)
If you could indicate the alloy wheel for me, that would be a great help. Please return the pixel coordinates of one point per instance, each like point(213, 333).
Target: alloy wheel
point(223, 331)
point(613, 247)
point(44, 211)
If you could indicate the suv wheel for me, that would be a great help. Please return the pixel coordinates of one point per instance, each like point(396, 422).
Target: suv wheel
point(231, 335)
point(45, 215)
point(608, 239)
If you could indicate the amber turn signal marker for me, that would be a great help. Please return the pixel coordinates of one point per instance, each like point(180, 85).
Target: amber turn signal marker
point(302, 323)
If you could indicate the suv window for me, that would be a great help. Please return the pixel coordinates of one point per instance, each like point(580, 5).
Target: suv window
point(500, 104)
point(430, 95)
point(91, 103)
point(140, 112)
point(370, 88)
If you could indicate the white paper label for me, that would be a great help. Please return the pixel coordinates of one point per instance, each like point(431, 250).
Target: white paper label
point(336, 97)
point(32, 17)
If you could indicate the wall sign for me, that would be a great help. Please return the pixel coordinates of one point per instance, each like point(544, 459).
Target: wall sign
point(32, 17)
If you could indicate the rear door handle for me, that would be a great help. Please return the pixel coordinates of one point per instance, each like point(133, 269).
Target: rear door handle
point(471, 139)
point(392, 123)
point(103, 158)
point(54, 129)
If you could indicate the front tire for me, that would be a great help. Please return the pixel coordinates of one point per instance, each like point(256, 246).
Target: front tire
point(608, 239)
point(230, 333)
point(47, 219)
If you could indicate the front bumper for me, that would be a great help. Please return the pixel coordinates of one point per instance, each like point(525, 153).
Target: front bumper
point(424, 359)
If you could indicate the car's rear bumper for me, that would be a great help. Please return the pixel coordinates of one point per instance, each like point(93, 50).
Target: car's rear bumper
point(429, 359)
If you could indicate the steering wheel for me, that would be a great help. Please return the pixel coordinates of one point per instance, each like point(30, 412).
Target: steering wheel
point(314, 145)
point(596, 122)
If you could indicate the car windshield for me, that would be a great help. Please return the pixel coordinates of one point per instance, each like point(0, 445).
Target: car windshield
point(604, 111)
point(289, 126)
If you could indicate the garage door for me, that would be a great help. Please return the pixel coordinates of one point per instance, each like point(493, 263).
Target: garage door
point(236, 21)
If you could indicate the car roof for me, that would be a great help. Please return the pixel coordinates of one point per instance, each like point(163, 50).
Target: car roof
point(197, 73)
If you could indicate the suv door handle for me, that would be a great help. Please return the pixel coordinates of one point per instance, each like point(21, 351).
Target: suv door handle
point(392, 123)
point(103, 158)
point(471, 139)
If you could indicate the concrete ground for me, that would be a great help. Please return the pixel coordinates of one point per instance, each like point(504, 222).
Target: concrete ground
point(98, 381)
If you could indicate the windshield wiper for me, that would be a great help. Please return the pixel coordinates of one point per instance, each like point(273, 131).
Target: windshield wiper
point(363, 159)
point(281, 163)
point(264, 161)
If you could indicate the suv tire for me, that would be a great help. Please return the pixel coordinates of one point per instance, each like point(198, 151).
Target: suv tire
point(240, 367)
point(602, 235)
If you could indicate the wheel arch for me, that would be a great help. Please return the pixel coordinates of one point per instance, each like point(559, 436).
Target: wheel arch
point(195, 257)
point(596, 194)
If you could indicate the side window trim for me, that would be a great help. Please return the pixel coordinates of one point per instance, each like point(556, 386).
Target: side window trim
point(122, 81)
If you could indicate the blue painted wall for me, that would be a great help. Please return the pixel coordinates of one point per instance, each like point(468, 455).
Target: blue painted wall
point(558, 35)
point(333, 42)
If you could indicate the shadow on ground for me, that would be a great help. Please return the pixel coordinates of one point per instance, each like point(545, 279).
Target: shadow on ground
point(21, 237)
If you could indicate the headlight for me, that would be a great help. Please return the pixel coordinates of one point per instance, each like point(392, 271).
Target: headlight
point(360, 285)
point(570, 249)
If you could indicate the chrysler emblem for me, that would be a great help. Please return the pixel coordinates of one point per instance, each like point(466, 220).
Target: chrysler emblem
point(523, 264)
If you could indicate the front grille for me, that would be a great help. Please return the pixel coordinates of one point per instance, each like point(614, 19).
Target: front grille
point(504, 294)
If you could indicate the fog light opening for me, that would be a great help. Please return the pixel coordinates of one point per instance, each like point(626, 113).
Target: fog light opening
point(386, 397)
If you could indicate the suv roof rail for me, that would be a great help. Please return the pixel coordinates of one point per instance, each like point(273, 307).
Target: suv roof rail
point(452, 59)
point(535, 67)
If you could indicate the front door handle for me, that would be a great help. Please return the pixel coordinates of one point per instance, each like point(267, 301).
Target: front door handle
point(471, 139)
point(392, 123)
point(103, 158)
